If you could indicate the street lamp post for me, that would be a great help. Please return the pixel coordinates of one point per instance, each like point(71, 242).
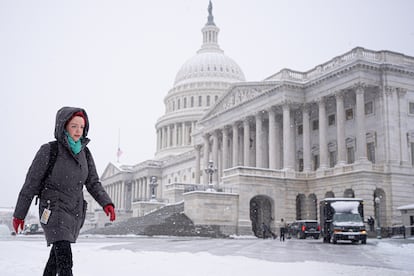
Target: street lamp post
point(210, 171)
point(377, 202)
point(153, 185)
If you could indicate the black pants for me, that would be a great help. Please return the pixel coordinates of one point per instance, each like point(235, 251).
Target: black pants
point(60, 260)
point(282, 234)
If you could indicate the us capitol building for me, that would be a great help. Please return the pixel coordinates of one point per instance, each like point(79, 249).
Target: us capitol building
point(240, 153)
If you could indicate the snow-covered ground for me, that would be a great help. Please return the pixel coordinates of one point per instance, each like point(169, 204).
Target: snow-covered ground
point(169, 256)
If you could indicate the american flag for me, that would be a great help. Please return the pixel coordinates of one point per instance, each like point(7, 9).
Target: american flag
point(118, 153)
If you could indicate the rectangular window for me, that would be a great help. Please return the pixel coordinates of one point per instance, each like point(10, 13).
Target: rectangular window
point(369, 108)
point(301, 164)
point(371, 152)
point(315, 162)
point(332, 159)
point(192, 101)
point(208, 100)
point(315, 124)
point(411, 108)
point(350, 155)
point(200, 100)
point(412, 154)
point(331, 120)
point(300, 129)
point(349, 114)
point(185, 103)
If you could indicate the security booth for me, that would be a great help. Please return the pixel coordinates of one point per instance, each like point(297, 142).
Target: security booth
point(407, 216)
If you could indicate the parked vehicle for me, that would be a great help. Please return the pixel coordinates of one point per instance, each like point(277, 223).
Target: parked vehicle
point(32, 229)
point(303, 229)
point(342, 219)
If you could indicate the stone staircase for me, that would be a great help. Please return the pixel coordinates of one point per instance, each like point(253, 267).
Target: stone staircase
point(169, 220)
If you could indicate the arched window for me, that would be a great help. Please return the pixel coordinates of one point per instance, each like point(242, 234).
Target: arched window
point(349, 193)
point(300, 206)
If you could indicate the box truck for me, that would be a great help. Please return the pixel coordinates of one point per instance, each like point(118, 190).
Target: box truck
point(342, 219)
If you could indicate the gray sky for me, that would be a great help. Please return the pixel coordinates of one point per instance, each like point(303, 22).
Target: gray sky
point(118, 60)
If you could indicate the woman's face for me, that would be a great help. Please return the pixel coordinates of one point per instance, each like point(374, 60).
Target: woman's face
point(75, 127)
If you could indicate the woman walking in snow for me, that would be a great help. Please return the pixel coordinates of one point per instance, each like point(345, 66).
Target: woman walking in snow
point(57, 175)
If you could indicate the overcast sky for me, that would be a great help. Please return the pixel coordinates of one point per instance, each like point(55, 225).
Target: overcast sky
point(118, 60)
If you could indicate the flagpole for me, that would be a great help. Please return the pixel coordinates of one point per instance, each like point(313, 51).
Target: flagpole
point(119, 146)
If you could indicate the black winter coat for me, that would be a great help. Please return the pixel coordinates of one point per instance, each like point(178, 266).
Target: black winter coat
point(63, 189)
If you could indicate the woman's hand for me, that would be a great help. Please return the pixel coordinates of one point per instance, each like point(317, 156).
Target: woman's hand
point(18, 223)
point(110, 211)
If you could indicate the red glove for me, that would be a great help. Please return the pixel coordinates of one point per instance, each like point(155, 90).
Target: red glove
point(110, 211)
point(18, 223)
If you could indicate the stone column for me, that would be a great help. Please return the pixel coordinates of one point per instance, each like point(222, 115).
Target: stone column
point(197, 164)
point(141, 189)
point(215, 156)
point(175, 135)
point(183, 135)
point(272, 139)
point(402, 118)
point(323, 145)
point(235, 144)
point(287, 148)
point(306, 139)
point(158, 140)
point(279, 141)
point(192, 131)
point(164, 137)
point(168, 136)
point(246, 147)
point(206, 146)
point(259, 140)
point(340, 129)
point(122, 194)
point(360, 123)
point(147, 189)
point(225, 157)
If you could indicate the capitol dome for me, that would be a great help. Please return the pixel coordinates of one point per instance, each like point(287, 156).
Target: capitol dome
point(208, 66)
point(210, 63)
point(198, 86)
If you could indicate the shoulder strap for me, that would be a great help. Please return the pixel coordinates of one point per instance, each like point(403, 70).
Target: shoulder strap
point(52, 160)
point(88, 156)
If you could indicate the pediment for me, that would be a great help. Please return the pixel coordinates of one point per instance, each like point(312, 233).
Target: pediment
point(237, 95)
point(110, 170)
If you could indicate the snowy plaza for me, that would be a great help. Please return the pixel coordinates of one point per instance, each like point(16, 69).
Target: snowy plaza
point(180, 256)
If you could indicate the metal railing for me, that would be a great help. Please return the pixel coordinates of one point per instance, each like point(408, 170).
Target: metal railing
point(397, 231)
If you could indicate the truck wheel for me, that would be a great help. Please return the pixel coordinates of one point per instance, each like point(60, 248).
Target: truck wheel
point(333, 240)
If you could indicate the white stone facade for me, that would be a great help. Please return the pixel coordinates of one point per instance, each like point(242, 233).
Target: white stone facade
point(344, 129)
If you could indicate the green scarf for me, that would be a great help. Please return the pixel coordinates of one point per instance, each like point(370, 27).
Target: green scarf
point(74, 146)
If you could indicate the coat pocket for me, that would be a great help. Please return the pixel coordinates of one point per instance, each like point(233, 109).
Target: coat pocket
point(49, 203)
